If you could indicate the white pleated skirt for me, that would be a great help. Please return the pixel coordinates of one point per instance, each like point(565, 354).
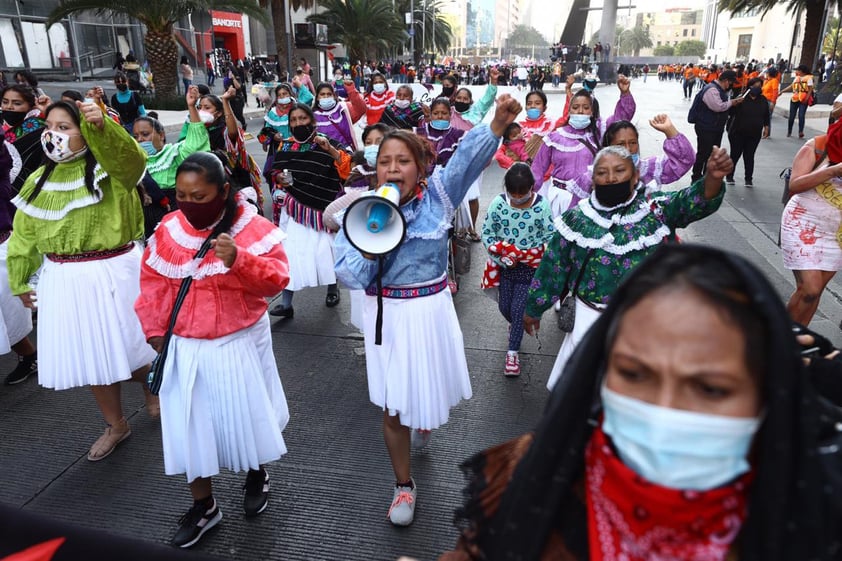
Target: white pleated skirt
point(310, 255)
point(357, 307)
point(222, 403)
point(88, 332)
point(16, 318)
point(420, 371)
point(585, 318)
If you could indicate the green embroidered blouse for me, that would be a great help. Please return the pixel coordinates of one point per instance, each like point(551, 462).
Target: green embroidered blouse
point(66, 218)
point(621, 239)
point(162, 165)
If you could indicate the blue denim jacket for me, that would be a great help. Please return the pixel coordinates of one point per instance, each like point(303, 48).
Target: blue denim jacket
point(422, 256)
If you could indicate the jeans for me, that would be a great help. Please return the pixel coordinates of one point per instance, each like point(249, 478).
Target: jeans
point(187, 83)
point(705, 141)
point(514, 286)
point(556, 80)
point(211, 77)
point(688, 87)
point(744, 145)
point(801, 109)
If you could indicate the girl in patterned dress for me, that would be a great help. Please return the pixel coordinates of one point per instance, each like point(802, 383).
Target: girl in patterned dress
point(518, 226)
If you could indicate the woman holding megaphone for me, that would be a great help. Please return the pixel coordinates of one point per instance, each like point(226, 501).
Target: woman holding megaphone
point(418, 371)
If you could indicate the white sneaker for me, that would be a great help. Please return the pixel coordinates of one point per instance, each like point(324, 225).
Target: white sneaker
point(420, 438)
point(402, 511)
point(557, 305)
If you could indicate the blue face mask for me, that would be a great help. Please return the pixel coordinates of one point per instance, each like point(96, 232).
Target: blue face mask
point(579, 122)
point(533, 113)
point(149, 147)
point(370, 152)
point(675, 448)
point(440, 124)
point(327, 103)
point(635, 159)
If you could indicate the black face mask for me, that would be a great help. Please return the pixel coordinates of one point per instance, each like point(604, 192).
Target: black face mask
point(613, 194)
point(302, 133)
point(461, 106)
point(447, 91)
point(14, 118)
point(122, 87)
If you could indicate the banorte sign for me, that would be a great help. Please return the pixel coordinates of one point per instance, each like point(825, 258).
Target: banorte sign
point(227, 22)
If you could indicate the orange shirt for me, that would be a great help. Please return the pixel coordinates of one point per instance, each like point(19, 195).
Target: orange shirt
point(770, 89)
point(711, 77)
point(689, 73)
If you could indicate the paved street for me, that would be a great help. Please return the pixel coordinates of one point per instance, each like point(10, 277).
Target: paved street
point(331, 492)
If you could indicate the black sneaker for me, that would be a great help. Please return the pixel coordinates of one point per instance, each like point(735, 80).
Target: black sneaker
point(27, 366)
point(749, 183)
point(194, 524)
point(729, 180)
point(256, 492)
point(281, 311)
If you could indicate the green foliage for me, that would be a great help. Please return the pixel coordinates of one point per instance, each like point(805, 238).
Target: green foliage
point(634, 39)
point(427, 14)
point(832, 39)
point(527, 36)
point(158, 15)
point(367, 28)
point(664, 50)
point(617, 32)
point(691, 47)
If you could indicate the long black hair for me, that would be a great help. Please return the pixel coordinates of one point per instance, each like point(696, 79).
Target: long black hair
point(90, 160)
point(593, 128)
point(210, 167)
point(616, 127)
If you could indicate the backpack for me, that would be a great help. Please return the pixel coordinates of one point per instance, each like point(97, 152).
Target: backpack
point(695, 111)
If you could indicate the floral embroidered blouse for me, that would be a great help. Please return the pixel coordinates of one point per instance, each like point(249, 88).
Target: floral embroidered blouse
point(620, 238)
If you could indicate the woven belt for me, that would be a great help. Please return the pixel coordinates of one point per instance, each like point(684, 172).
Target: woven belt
point(90, 255)
point(415, 292)
point(5, 236)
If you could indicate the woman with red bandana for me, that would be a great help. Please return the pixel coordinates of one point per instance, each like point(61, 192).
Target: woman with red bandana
point(811, 223)
point(698, 438)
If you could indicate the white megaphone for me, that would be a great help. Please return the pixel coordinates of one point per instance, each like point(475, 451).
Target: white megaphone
point(374, 223)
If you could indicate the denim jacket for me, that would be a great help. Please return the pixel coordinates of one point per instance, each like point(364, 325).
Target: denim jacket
point(422, 256)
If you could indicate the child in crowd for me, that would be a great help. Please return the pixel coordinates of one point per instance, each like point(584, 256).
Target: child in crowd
point(513, 148)
point(518, 226)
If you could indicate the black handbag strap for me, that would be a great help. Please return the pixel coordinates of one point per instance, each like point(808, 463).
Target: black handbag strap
point(182, 290)
point(581, 272)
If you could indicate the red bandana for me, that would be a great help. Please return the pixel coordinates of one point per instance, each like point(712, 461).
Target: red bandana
point(631, 519)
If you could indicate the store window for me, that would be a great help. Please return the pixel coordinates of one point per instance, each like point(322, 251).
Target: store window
point(743, 46)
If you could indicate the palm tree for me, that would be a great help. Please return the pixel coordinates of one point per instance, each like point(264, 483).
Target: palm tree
point(428, 20)
point(367, 28)
point(159, 17)
point(814, 10)
point(634, 39)
point(280, 19)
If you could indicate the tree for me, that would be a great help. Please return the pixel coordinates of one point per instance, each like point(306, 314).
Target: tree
point(831, 41)
point(814, 10)
point(691, 47)
point(367, 28)
point(526, 36)
point(280, 18)
point(159, 17)
point(428, 13)
point(664, 50)
point(595, 37)
point(634, 39)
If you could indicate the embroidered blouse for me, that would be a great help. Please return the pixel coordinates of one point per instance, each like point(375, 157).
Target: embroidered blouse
point(621, 238)
point(422, 256)
point(408, 118)
point(66, 218)
point(571, 151)
point(337, 123)
point(220, 301)
point(444, 143)
point(543, 125)
point(376, 103)
point(162, 166)
point(24, 145)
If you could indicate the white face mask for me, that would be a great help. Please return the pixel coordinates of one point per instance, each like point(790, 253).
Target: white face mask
point(56, 146)
point(370, 152)
point(402, 103)
point(379, 87)
point(675, 448)
point(206, 117)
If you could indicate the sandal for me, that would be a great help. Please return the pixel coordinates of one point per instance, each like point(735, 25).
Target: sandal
point(109, 440)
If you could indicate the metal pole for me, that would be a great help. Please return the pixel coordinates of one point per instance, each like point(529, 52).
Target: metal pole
point(75, 47)
point(424, 27)
point(434, 29)
point(412, 28)
point(288, 25)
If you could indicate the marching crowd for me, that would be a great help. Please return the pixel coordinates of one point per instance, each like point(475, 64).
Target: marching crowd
point(148, 260)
